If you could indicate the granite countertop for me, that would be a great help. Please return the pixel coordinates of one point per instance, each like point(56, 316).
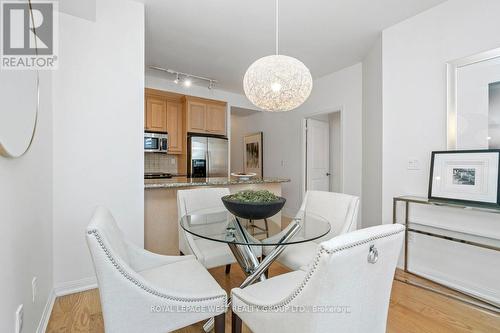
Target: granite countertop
point(177, 182)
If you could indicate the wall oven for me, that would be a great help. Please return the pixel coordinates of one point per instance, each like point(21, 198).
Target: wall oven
point(155, 142)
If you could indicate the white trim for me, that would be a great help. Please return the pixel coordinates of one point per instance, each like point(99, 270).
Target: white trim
point(76, 286)
point(47, 311)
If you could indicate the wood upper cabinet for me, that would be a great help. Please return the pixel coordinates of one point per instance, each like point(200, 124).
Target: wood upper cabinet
point(196, 116)
point(216, 119)
point(205, 116)
point(174, 127)
point(156, 114)
point(164, 113)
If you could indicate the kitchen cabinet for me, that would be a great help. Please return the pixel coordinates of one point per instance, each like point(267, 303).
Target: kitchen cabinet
point(164, 113)
point(196, 116)
point(216, 119)
point(174, 127)
point(205, 116)
point(156, 114)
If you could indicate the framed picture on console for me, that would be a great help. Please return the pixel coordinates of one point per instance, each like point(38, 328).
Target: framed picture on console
point(467, 176)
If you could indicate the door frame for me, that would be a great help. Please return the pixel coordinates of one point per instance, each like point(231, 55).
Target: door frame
point(339, 109)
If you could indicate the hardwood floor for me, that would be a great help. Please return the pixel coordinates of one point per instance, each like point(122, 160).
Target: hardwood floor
point(412, 310)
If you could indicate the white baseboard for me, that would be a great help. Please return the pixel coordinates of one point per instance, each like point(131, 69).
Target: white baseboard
point(44, 321)
point(76, 286)
point(63, 289)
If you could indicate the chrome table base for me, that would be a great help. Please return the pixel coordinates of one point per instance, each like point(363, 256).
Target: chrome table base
point(249, 262)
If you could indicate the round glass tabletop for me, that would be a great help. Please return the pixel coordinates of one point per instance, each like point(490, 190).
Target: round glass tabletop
point(226, 228)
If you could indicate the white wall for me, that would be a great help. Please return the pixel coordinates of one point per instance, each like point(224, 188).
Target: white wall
point(238, 131)
point(283, 133)
point(335, 124)
point(98, 129)
point(372, 136)
point(26, 218)
point(415, 53)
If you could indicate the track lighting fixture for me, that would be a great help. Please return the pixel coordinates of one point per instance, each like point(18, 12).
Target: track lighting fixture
point(185, 78)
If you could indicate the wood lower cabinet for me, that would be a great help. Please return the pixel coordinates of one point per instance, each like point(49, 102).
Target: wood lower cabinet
point(156, 114)
point(174, 127)
point(205, 116)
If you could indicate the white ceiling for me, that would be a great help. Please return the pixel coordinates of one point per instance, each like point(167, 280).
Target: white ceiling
point(221, 38)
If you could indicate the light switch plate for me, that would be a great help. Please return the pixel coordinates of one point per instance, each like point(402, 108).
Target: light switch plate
point(413, 164)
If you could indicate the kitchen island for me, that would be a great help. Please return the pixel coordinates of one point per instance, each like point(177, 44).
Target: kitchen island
point(161, 226)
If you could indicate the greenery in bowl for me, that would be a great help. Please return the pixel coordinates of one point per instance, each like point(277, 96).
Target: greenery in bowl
point(251, 196)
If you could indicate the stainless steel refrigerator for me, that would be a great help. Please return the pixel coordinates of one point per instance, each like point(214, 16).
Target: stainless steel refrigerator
point(207, 156)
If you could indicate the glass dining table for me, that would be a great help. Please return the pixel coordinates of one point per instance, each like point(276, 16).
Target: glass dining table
point(238, 234)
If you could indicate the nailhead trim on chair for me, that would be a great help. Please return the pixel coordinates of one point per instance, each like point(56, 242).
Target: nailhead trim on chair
point(313, 268)
point(141, 285)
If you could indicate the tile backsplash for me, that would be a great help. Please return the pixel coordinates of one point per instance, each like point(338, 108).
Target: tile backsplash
point(160, 163)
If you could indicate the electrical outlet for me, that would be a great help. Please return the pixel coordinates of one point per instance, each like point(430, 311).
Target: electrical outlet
point(19, 319)
point(34, 288)
point(282, 163)
point(413, 164)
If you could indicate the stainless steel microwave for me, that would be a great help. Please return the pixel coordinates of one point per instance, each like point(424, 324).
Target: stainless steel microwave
point(155, 142)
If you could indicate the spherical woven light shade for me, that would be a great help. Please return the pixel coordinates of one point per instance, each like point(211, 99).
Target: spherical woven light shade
point(277, 83)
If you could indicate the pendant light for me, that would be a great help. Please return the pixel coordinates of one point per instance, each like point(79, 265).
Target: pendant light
point(277, 82)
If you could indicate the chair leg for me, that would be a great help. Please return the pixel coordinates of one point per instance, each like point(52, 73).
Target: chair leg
point(235, 323)
point(228, 268)
point(220, 323)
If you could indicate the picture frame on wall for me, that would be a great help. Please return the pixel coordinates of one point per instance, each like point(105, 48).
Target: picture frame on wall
point(466, 176)
point(253, 153)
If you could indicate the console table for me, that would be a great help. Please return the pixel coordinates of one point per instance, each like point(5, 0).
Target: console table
point(407, 200)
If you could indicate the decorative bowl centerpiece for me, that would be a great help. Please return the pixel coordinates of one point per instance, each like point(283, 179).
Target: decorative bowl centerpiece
point(243, 176)
point(253, 205)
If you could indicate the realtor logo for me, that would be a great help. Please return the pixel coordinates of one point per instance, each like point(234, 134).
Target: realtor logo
point(29, 39)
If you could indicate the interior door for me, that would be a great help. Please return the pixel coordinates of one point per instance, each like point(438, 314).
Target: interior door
point(318, 155)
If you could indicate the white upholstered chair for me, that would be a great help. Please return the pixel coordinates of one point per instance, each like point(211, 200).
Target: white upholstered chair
point(339, 209)
point(346, 289)
point(202, 201)
point(144, 292)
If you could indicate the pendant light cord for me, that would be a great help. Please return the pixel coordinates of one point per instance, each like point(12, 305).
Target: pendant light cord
point(277, 27)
